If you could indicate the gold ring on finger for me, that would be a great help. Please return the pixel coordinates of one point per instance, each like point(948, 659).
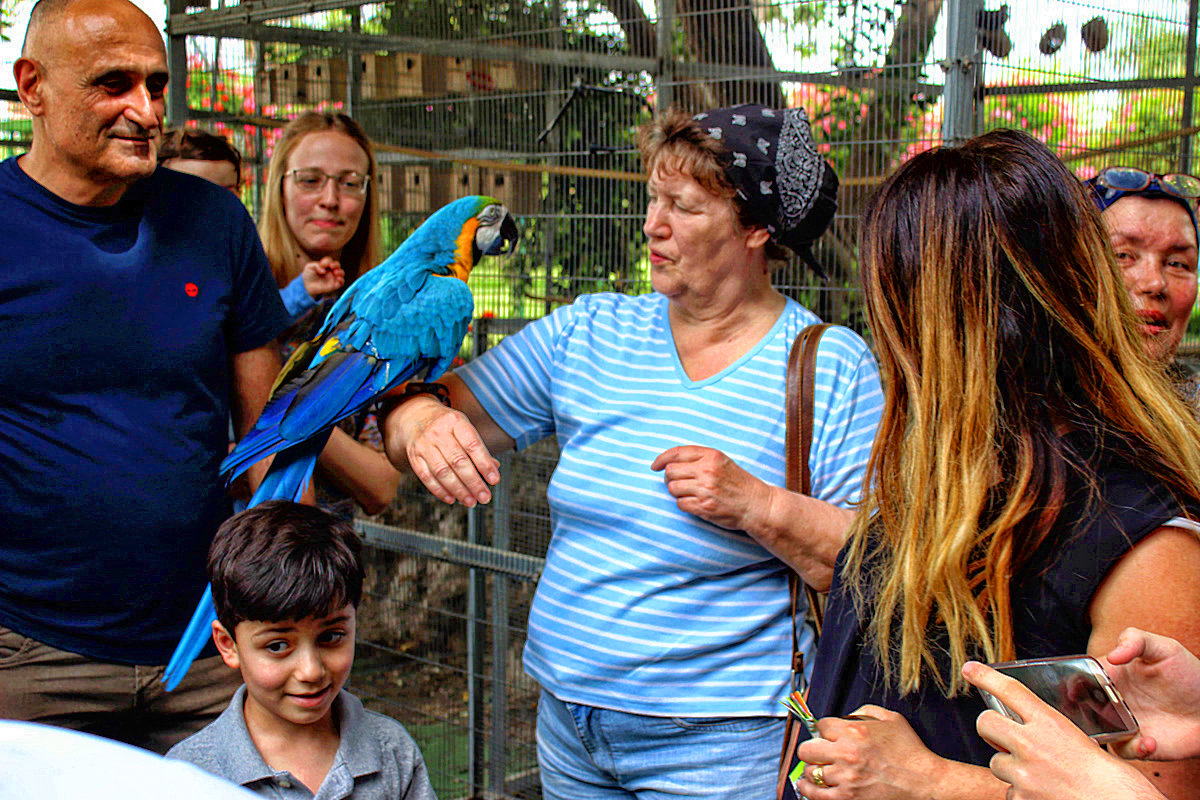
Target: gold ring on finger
point(818, 776)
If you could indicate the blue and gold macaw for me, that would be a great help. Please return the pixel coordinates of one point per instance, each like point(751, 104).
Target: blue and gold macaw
point(405, 319)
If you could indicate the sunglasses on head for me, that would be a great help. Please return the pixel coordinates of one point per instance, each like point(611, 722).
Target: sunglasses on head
point(1132, 179)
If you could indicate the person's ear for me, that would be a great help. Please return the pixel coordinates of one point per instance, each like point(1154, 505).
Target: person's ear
point(226, 645)
point(757, 237)
point(29, 78)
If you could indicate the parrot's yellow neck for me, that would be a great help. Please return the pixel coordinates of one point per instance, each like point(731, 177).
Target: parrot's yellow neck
point(463, 250)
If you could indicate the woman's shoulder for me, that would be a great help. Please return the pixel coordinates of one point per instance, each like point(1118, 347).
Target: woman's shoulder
point(840, 347)
point(1110, 504)
point(609, 310)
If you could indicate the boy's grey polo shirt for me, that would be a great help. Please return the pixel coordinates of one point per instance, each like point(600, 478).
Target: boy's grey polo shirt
point(376, 759)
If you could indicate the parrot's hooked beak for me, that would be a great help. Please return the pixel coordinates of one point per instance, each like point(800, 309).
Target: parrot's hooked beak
point(497, 233)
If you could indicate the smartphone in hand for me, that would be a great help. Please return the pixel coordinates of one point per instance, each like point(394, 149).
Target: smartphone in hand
point(1079, 688)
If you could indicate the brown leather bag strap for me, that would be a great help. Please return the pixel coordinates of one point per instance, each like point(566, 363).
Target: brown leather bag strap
point(802, 370)
point(791, 738)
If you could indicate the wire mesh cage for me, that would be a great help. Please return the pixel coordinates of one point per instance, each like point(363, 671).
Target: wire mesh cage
point(537, 103)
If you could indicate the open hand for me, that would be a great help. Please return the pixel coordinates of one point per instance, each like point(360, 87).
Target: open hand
point(444, 451)
point(1160, 681)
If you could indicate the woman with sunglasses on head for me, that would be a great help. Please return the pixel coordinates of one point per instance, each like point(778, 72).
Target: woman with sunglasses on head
point(1151, 223)
point(1032, 487)
point(320, 229)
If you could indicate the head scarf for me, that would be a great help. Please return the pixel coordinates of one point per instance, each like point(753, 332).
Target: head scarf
point(772, 162)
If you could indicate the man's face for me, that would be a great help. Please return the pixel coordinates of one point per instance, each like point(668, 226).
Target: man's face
point(103, 80)
point(1155, 244)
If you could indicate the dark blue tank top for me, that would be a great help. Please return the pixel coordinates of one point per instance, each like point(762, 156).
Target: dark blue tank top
point(1051, 595)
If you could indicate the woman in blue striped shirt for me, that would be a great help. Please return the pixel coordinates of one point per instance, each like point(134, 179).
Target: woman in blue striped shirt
point(660, 632)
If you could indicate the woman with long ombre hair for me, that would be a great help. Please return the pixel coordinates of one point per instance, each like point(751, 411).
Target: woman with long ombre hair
point(1031, 489)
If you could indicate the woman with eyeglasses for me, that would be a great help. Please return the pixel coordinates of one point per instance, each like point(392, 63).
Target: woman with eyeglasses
point(320, 228)
point(1151, 224)
point(320, 215)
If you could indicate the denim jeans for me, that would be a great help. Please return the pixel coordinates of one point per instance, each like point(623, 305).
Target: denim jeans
point(588, 753)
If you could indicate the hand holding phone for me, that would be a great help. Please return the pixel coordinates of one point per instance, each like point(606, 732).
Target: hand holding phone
point(1047, 756)
point(1078, 688)
point(1160, 680)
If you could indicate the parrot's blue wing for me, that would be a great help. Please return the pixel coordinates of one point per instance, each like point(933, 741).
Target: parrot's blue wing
point(325, 394)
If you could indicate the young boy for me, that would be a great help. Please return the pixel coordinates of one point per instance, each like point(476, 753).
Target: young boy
point(286, 582)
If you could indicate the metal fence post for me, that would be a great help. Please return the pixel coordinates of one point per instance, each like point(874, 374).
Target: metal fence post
point(664, 83)
point(963, 66)
point(1189, 78)
point(476, 632)
point(177, 104)
point(501, 585)
point(476, 647)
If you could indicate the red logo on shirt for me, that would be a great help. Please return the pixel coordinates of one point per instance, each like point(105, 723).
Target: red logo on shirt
point(191, 289)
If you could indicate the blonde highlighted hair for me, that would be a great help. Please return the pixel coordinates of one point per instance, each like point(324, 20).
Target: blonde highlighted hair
point(1002, 325)
point(361, 253)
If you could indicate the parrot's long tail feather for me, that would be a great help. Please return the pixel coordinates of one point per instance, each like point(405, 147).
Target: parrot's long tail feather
point(262, 440)
point(291, 471)
point(195, 636)
point(287, 478)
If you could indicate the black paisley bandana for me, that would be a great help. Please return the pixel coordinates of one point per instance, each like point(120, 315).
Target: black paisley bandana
point(778, 173)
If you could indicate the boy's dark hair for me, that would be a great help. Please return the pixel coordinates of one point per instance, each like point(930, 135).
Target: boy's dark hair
point(283, 561)
point(199, 145)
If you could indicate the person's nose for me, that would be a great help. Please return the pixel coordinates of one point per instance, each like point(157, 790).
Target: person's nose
point(655, 226)
point(1149, 276)
point(329, 195)
point(143, 108)
point(309, 666)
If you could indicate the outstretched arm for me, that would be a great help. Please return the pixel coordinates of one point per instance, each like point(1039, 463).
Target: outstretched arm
point(359, 470)
point(448, 449)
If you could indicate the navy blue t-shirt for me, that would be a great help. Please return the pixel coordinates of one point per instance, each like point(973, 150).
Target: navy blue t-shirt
point(118, 325)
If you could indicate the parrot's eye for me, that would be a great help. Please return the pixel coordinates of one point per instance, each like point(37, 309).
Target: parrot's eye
point(489, 215)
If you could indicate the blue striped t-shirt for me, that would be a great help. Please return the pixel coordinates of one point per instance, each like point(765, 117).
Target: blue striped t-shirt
point(642, 607)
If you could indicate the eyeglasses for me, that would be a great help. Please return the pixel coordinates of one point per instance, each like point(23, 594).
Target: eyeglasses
point(311, 180)
point(1132, 179)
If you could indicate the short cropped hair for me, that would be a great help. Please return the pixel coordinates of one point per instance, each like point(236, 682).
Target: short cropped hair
point(193, 144)
point(283, 561)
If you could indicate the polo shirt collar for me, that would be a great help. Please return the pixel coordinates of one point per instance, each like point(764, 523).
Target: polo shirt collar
point(356, 748)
